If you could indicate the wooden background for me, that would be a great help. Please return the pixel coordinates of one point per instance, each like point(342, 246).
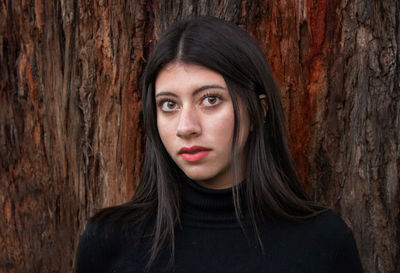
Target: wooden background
point(71, 131)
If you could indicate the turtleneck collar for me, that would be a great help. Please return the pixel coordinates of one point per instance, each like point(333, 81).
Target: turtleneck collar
point(209, 208)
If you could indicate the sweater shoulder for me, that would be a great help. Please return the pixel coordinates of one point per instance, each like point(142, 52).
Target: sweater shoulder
point(106, 234)
point(93, 250)
point(337, 234)
point(329, 220)
point(326, 227)
point(325, 231)
point(320, 223)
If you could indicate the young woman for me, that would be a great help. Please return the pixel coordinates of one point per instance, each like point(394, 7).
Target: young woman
point(219, 191)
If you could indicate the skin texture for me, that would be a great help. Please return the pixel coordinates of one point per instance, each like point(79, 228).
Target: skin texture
point(194, 108)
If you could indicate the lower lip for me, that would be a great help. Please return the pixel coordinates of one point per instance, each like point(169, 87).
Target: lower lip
point(194, 157)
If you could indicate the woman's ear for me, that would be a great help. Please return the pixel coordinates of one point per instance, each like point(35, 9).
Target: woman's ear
point(263, 100)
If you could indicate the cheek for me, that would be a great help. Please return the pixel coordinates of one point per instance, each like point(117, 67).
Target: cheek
point(166, 132)
point(220, 129)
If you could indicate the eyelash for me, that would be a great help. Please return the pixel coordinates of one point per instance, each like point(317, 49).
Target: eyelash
point(207, 95)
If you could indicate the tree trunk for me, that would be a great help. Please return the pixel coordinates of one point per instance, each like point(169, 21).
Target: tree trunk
point(71, 138)
point(71, 135)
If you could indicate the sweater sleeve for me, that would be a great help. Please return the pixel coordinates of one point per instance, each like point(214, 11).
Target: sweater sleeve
point(93, 253)
point(348, 259)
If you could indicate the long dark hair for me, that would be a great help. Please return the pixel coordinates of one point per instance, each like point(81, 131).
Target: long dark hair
point(273, 187)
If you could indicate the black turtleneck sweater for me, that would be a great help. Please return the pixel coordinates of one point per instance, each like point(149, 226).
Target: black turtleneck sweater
point(210, 240)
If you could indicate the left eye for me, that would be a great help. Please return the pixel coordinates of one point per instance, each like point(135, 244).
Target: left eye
point(211, 100)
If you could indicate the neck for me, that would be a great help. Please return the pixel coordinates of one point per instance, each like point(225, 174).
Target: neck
point(205, 207)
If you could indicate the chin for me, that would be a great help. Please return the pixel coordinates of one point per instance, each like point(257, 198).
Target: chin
point(197, 173)
point(204, 173)
point(198, 177)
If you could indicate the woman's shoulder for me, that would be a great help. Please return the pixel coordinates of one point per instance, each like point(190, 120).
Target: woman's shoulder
point(95, 247)
point(329, 220)
point(123, 222)
point(323, 219)
point(326, 230)
point(329, 233)
point(332, 232)
point(325, 237)
point(106, 233)
point(326, 225)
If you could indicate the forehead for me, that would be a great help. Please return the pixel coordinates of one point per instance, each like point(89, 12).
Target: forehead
point(178, 76)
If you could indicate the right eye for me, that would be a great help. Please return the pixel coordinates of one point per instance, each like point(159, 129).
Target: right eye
point(168, 106)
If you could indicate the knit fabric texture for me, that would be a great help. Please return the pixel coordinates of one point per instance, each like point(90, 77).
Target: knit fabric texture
point(210, 240)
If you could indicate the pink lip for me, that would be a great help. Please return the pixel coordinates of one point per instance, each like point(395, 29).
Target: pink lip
point(194, 153)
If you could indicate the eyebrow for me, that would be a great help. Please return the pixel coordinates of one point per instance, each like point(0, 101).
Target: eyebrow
point(196, 91)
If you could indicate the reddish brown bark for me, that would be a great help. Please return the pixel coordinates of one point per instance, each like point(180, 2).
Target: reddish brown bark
point(71, 138)
point(70, 124)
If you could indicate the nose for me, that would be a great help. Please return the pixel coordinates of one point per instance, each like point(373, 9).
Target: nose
point(189, 124)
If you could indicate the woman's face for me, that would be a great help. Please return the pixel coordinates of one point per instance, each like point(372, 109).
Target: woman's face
point(195, 120)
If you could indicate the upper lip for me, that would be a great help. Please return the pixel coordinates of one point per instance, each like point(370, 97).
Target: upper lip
point(193, 149)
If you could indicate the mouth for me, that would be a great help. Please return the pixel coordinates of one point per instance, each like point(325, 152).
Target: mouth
point(193, 153)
